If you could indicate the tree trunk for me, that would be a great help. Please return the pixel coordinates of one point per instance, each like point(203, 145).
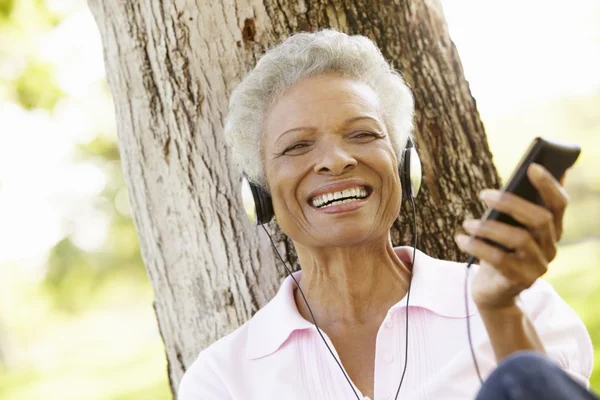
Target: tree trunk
point(171, 66)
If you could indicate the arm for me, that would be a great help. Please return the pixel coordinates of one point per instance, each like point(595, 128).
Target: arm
point(510, 330)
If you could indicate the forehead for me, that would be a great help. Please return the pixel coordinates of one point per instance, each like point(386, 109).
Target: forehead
point(321, 101)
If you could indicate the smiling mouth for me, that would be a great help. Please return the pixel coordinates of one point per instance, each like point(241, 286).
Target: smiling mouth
point(341, 197)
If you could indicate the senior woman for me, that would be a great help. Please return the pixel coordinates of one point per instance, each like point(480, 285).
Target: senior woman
point(323, 113)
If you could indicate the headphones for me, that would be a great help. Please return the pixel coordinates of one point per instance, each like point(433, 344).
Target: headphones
point(259, 206)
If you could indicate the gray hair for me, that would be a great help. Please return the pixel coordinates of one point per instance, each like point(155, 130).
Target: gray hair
point(305, 55)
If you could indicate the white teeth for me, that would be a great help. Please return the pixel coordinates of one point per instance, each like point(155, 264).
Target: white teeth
point(318, 201)
point(338, 202)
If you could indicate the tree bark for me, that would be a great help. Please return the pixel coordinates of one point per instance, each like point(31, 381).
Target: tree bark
point(171, 66)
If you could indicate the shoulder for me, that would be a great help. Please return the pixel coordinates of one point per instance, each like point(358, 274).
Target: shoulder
point(208, 376)
point(230, 365)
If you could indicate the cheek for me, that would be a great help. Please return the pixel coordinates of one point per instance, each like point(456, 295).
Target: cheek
point(283, 181)
point(388, 167)
point(395, 194)
point(391, 184)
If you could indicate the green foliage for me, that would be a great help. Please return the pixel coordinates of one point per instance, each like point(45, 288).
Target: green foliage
point(22, 25)
point(69, 277)
point(6, 9)
point(575, 276)
point(74, 276)
point(46, 17)
point(29, 16)
point(35, 87)
point(121, 359)
point(101, 146)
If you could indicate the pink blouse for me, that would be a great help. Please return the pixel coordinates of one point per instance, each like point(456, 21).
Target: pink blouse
point(279, 355)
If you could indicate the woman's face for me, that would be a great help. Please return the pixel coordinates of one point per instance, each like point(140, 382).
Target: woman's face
point(325, 135)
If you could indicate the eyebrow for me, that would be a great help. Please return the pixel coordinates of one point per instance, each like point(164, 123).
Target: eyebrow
point(347, 122)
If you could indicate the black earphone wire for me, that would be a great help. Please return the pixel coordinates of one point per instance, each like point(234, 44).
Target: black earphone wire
point(311, 314)
point(289, 272)
point(470, 261)
point(412, 201)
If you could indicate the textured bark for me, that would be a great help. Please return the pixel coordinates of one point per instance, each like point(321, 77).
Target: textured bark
point(171, 66)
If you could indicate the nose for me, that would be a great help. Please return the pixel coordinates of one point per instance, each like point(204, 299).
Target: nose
point(334, 160)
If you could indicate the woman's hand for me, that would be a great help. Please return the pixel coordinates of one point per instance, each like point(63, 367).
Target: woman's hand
point(503, 274)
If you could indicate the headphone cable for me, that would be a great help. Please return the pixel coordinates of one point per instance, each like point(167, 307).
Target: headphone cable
point(470, 261)
point(412, 201)
point(311, 313)
point(289, 272)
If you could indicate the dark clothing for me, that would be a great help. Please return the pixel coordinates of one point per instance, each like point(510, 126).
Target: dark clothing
point(530, 376)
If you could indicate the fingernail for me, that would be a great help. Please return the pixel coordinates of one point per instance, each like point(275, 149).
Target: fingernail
point(461, 240)
point(489, 195)
point(471, 224)
point(537, 170)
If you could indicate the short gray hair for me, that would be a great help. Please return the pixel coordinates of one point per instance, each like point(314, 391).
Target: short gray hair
point(301, 56)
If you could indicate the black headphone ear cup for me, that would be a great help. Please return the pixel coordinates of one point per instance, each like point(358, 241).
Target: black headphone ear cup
point(265, 205)
point(410, 172)
point(405, 175)
point(257, 202)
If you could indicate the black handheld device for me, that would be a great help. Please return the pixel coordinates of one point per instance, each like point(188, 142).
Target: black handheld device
point(555, 156)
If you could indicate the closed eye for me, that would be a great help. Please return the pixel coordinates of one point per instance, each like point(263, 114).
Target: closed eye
point(367, 134)
point(296, 146)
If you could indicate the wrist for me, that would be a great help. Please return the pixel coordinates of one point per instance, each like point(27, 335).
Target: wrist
point(486, 306)
point(496, 311)
point(510, 330)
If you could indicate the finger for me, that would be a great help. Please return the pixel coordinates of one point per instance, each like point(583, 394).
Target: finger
point(538, 219)
point(509, 236)
point(562, 180)
point(512, 237)
point(518, 271)
point(552, 193)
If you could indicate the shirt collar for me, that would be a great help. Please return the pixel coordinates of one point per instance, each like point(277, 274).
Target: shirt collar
point(437, 285)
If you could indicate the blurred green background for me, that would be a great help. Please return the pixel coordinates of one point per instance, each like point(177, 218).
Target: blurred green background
point(76, 318)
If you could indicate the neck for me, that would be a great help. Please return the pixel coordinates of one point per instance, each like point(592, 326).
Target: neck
point(350, 285)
